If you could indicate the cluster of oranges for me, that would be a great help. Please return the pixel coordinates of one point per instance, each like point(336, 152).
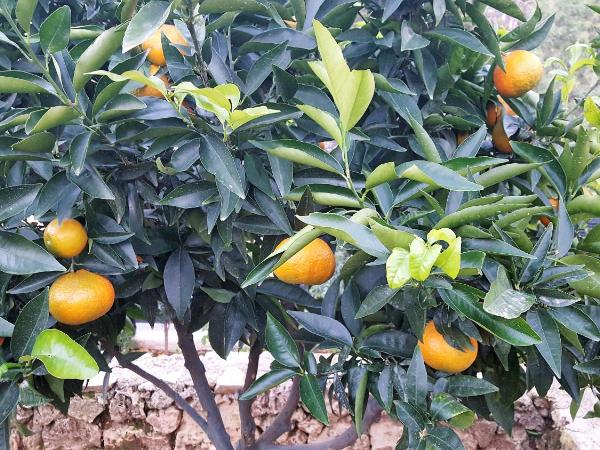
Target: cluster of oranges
point(81, 296)
point(156, 56)
point(523, 71)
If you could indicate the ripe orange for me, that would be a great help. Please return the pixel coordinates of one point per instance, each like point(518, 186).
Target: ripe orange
point(314, 264)
point(499, 137)
point(493, 112)
point(507, 107)
point(523, 72)
point(440, 355)
point(154, 43)
point(66, 239)
point(545, 220)
point(80, 297)
point(149, 91)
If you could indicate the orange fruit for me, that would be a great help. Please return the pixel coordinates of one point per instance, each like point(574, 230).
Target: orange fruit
point(440, 355)
point(493, 112)
point(80, 297)
point(461, 136)
point(314, 264)
point(545, 220)
point(506, 106)
point(154, 43)
point(523, 72)
point(500, 139)
point(66, 239)
point(1, 340)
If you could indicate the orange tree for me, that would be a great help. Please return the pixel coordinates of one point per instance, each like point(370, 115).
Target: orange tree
point(133, 191)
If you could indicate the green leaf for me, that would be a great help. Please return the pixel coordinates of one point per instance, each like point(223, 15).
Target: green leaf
point(325, 121)
point(352, 91)
point(217, 160)
point(476, 214)
point(425, 142)
point(576, 320)
point(422, 258)
point(179, 278)
point(376, 299)
point(55, 116)
point(459, 37)
point(508, 7)
point(514, 331)
point(591, 367)
point(147, 20)
point(504, 301)
point(326, 327)
point(20, 256)
point(591, 111)
point(469, 386)
point(54, 31)
point(443, 438)
point(78, 151)
point(416, 386)
point(32, 319)
point(342, 228)
point(312, 397)
point(445, 407)
point(327, 195)
point(397, 268)
point(551, 169)
point(9, 396)
point(24, 12)
point(17, 82)
point(263, 67)
point(218, 295)
point(550, 348)
point(267, 381)
point(63, 357)
point(280, 343)
point(14, 200)
point(301, 153)
point(189, 195)
point(539, 252)
point(37, 143)
point(591, 284)
point(391, 237)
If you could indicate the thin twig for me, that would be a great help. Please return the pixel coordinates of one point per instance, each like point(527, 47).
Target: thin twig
point(281, 424)
point(179, 400)
point(247, 423)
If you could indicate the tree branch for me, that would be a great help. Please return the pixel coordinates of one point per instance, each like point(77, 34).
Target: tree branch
point(179, 400)
point(281, 424)
point(247, 423)
point(346, 439)
point(216, 428)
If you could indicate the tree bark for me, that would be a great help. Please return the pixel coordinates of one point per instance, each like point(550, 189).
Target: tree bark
point(216, 428)
point(247, 423)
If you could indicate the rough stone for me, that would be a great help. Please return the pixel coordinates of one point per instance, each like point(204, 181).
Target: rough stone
point(384, 434)
point(311, 426)
point(159, 400)
point(164, 421)
point(85, 408)
point(483, 432)
point(230, 381)
point(71, 434)
point(42, 416)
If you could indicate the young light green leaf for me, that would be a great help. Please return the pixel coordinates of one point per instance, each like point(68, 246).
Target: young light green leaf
point(397, 268)
point(63, 357)
point(54, 31)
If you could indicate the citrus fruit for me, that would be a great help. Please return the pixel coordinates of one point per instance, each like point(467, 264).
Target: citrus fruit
point(545, 220)
point(440, 355)
point(523, 72)
point(499, 137)
point(80, 297)
point(493, 112)
point(154, 43)
point(314, 264)
point(65, 239)
point(507, 107)
point(149, 91)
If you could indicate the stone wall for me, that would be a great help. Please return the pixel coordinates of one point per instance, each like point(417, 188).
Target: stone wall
point(135, 415)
